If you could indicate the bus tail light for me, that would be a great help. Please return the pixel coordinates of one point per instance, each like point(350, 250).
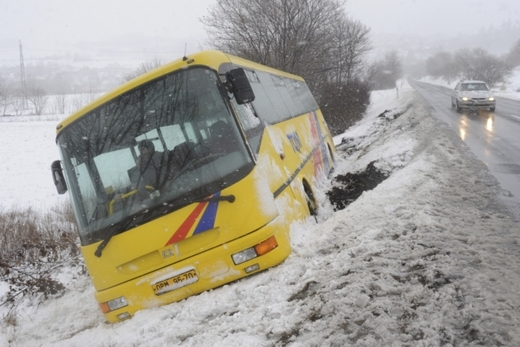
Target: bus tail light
point(253, 252)
point(113, 304)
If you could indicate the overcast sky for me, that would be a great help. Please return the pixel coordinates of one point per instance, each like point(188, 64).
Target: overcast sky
point(93, 20)
point(430, 17)
point(62, 23)
point(55, 24)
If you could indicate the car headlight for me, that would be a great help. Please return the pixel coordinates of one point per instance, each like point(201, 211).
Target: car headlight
point(465, 98)
point(491, 98)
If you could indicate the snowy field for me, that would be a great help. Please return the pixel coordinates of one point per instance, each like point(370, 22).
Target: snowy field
point(430, 257)
point(28, 149)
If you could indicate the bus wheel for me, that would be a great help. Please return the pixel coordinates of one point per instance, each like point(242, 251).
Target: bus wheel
point(332, 159)
point(311, 200)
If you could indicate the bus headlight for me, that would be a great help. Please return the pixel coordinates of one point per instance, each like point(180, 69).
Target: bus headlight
point(245, 255)
point(114, 304)
point(253, 252)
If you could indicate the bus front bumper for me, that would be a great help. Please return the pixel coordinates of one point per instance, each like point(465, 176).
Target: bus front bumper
point(197, 274)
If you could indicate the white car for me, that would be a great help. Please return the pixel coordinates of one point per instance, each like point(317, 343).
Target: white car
point(472, 94)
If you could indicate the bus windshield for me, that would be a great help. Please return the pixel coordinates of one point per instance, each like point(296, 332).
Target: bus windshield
point(150, 151)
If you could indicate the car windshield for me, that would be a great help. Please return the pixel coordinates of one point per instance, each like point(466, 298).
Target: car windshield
point(474, 86)
point(150, 151)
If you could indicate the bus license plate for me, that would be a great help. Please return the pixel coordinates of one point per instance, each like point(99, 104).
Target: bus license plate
point(175, 282)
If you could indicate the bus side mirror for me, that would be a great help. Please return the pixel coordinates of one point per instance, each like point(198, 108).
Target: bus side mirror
point(58, 178)
point(239, 85)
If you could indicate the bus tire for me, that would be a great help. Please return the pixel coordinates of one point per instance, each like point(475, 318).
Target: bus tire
point(332, 160)
point(311, 200)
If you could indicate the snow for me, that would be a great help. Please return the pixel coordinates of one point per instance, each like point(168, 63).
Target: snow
point(430, 257)
point(28, 149)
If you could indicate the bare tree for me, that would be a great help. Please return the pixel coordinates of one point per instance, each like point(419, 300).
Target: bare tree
point(80, 100)
point(311, 38)
point(350, 43)
point(465, 66)
point(513, 57)
point(38, 98)
point(442, 64)
point(387, 71)
point(18, 106)
point(291, 35)
point(5, 96)
point(143, 68)
point(478, 64)
point(60, 103)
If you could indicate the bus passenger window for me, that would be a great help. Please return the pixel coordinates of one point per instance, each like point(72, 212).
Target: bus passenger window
point(251, 123)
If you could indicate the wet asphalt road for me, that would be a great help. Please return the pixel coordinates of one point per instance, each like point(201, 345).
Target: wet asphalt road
point(494, 137)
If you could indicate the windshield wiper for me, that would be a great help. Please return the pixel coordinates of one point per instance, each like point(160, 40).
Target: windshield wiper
point(103, 244)
point(113, 232)
point(229, 198)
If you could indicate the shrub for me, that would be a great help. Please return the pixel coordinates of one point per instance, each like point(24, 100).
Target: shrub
point(344, 105)
point(34, 248)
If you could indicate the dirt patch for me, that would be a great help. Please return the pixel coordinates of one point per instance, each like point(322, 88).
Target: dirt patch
point(347, 188)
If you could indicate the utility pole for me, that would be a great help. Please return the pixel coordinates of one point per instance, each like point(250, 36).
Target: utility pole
point(22, 73)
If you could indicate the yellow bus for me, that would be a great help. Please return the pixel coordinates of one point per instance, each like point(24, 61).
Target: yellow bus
point(189, 176)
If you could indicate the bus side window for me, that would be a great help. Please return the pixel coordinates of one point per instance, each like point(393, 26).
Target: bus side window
point(269, 102)
point(292, 86)
point(252, 125)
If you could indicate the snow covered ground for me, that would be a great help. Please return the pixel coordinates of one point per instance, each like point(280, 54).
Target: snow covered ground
point(430, 257)
point(27, 150)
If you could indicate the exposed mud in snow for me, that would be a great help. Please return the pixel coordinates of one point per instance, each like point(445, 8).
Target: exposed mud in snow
point(348, 187)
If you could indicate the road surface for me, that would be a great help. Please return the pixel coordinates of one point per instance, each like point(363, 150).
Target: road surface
point(494, 137)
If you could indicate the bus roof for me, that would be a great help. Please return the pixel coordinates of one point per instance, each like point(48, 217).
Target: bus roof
point(212, 59)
